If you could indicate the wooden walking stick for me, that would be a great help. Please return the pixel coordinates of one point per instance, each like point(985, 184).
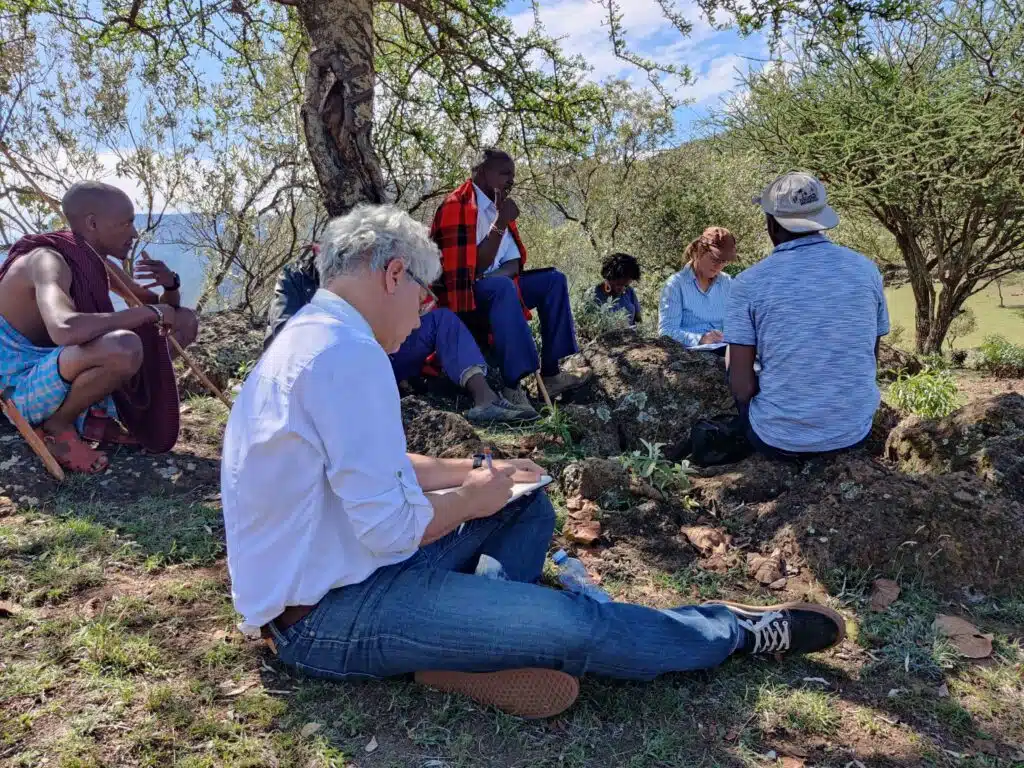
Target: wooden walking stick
point(542, 389)
point(26, 431)
point(130, 297)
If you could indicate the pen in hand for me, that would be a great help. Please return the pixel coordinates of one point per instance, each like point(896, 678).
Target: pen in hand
point(490, 466)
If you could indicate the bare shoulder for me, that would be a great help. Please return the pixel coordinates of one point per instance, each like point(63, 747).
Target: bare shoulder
point(18, 296)
point(44, 265)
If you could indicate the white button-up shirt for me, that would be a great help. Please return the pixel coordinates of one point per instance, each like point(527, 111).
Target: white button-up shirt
point(486, 215)
point(318, 491)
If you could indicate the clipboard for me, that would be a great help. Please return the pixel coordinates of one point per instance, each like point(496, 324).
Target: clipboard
point(518, 490)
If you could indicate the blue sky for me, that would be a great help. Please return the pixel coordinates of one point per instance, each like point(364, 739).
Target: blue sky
point(713, 56)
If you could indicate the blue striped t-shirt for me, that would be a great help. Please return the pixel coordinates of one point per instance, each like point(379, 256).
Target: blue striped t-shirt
point(686, 313)
point(814, 310)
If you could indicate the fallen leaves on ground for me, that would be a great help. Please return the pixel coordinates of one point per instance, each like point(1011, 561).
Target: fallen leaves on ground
point(309, 729)
point(883, 594)
point(766, 570)
point(967, 638)
point(707, 539)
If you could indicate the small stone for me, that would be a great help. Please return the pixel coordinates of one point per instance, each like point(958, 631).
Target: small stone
point(585, 532)
point(778, 584)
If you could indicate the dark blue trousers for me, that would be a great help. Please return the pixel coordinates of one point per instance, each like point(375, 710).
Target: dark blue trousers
point(545, 291)
point(443, 332)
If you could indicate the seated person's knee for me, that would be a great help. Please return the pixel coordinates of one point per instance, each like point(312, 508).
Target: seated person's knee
point(121, 351)
point(186, 326)
point(503, 286)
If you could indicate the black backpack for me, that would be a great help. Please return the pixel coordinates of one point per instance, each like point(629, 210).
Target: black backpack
point(722, 439)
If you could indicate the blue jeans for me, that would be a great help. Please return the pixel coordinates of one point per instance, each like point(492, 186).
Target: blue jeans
point(545, 291)
point(440, 331)
point(430, 612)
point(778, 454)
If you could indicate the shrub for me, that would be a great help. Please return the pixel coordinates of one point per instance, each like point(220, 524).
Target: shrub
point(593, 320)
point(896, 334)
point(651, 466)
point(932, 393)
point(959, 357)
point(1001, 358)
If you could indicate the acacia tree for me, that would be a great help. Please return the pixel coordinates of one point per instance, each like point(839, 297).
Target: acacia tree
point(460, 61)
point(922, 132)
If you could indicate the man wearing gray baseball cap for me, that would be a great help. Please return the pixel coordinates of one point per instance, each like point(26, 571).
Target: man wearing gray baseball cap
point(812, 314)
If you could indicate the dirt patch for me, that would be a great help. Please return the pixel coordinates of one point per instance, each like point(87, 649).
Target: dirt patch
point(228, 343)
point(433, 432)
point(593, 429)
point(752, 481)
point(855, 512)
point(593, 478)
point(192, 467)
point(653, 389)
point(984, 438)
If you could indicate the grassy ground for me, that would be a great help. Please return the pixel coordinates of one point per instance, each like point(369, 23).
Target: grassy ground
point(991, 319)
point(118, 648)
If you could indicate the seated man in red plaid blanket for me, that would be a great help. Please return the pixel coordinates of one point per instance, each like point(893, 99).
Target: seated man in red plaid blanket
point(482, 257)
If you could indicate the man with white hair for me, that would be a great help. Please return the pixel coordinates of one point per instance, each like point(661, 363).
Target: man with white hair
point(348, 564)
point(812, 313)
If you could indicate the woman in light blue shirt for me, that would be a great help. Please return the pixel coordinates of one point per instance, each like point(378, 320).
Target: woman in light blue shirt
point(692, 307)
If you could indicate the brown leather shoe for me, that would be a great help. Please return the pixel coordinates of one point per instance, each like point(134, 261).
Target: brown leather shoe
point(566, 382)
point(529, 693)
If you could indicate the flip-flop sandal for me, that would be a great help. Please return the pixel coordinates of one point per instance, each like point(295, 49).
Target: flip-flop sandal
point(73, 454)
point(106, 431)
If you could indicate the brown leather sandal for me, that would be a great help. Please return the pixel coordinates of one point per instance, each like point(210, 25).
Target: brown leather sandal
point(74, 454)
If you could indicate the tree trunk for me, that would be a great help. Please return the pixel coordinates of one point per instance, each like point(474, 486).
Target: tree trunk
point(921, 282)
point(337, 114)
point(999, 287)
point(946, 308)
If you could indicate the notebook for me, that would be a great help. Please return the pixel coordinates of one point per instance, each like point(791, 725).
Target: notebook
point(518, 489)
point(709, 347)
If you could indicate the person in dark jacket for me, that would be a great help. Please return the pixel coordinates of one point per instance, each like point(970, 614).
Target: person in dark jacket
point(441, 332)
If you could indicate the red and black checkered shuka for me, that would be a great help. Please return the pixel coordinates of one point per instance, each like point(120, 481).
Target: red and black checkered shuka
point(147, 404)
point(454, 231)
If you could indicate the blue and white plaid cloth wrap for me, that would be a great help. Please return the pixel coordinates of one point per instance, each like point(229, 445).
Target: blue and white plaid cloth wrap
point(39, 389)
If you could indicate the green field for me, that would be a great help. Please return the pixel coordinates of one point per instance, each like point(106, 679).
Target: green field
point(992, 319)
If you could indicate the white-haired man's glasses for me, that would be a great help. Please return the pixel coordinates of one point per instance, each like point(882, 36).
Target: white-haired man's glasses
point(429, 300)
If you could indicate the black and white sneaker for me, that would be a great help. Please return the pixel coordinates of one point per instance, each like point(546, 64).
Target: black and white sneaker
point(787, 628)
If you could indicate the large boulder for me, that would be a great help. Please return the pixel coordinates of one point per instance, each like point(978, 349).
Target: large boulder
point(893, 362)
point(654, 389)
point(984, 438)
point(853, 512)
point(229, 343)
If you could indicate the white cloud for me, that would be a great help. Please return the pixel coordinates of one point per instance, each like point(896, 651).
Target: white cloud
point(720, 77)
point(713, 56)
